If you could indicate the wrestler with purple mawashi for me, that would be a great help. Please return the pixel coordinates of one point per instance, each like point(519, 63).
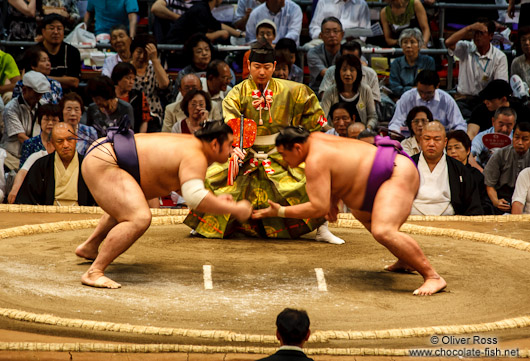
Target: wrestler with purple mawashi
point(378, 184)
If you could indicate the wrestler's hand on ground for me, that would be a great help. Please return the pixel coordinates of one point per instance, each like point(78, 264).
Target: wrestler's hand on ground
point(271, 211)
point(243, 210)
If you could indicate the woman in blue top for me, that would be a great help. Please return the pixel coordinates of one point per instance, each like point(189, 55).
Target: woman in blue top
point(404, 69)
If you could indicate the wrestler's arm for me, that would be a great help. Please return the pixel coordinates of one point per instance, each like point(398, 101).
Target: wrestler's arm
point(194, 168)
point(318, 187)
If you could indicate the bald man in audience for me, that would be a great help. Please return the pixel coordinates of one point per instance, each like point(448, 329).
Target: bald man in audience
point(447, 187)
point(174, 113)
point(56, 179)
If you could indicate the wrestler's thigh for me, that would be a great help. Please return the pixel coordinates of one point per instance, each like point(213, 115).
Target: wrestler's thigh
point(393, 201)
point(114, 190)
point(364, 217)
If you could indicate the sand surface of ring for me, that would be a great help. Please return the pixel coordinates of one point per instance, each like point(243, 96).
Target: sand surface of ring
point(252, 280)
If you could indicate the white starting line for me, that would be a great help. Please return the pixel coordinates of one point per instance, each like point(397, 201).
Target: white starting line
point(207, 275)
point(208, 284)
point(321, 280)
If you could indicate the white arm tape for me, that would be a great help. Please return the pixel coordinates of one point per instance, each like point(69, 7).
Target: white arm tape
point(193, 192)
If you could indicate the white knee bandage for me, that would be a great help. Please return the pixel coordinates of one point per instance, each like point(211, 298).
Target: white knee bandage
point(193, 192)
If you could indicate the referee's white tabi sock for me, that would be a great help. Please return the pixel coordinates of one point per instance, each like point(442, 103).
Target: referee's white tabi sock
point(324, 235)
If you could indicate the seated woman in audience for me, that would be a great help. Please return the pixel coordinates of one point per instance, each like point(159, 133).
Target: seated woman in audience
point(47, 117)
point(521, 194)
point(404, 14)
point(71, 111)
point(121, 43)
point(107, 110)
point(151, 78)
point(350, 90)
point(341, 117)
point(36, 59)
point(521, 64)
point(296, 73)
point(21, 20)
point(198, 52)
point(123, 76)
point(459, 147)
point(416, 119)
point(196, 104)
point(283, 66)
point(404, 69)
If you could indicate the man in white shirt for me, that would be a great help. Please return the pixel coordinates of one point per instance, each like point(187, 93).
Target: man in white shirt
point(446, 186)
point(441, 104)
point(351, 13)
point(480, 62)
point(286, 14)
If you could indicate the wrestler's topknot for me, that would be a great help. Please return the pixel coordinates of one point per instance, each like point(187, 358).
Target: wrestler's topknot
point(291, 135)
point(215, 129)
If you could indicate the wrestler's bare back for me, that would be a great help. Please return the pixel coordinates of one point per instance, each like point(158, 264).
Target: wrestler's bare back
point(166, 161)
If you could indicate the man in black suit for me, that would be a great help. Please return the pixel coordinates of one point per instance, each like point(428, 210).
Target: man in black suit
point(292, 332)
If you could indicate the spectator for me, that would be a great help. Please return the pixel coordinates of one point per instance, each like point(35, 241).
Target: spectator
point(446, 186)
point(283, 65)
point(199, 19)
point(402, 15)
point(368, 136)
point(65, 59)
point(121, 42)
point(404, 69)
point(322, 56)
point(68, 9)
point(198, 52)
point(265, 30)
point(369, 75)
point(107, 110)
point(459, 147)
point(9, 75)
point(292, 330)
point(521, 64)
point(295, 72)
point(47, 117)
point(21, 20)
point(151, 78)
point(196, 105)
point(521, 194)
point(426, 93)
point(56, 178)
point(174, 112)
point(524, 12)
point(123, 76)
point(19, 114)
point(495, 95)
point(72, 110)
point(417, 118)
point(502, 169)
point(341, 117)
point(286, 14)
point(37, 59)
point(243, 10)
point(216, 84)
point(350, 89)
point(480, 62)
point(165, 12)
point(349, 13)
point(110, 13)
point(503, 122)
point(355, 129)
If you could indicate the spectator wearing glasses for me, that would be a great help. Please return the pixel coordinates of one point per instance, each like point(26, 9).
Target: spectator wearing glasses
point(417, 118)
point(322, 56)
point(65, 59)
point(440, 103)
